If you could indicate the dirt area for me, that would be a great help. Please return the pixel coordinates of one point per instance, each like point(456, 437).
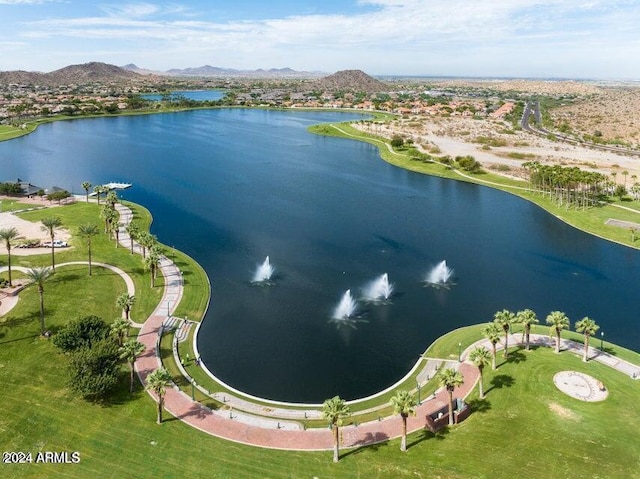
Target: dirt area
point(615, 113)
point(29, 231)
point(563, 412)
point(500, 148)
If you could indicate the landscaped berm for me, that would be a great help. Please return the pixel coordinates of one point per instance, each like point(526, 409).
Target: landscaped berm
point(524, 425)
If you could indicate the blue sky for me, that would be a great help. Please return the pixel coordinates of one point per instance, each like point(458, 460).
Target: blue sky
point(521, 38)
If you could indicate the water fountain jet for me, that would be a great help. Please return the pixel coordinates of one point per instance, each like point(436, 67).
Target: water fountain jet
point(379, 289)
point(263, 272)
point(346, 307)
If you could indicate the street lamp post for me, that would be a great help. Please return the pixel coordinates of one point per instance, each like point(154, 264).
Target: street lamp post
point(459, 352)
point(193, 389)
point(601, 340)
point(418, 386)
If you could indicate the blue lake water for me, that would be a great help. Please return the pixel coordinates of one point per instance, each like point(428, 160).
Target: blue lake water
point(230, 187)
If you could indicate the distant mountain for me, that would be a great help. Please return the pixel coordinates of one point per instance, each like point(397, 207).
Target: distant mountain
point(72, 74)
point(132, 67)
point(350, 80)
point(208, 70)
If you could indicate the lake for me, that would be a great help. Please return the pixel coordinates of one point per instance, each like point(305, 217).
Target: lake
point(232, 186)
point(197, 95)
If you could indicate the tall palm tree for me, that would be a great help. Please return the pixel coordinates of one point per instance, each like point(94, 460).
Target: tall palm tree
point(558, 321)
point(449, 378)
point(38, 276)
point(404, 404)
point(157, 381)
point(492, 332)
point(120, 329)
point(133, 230)
point(481, 357)
point(152, 263)
point(125, 301)
point(130, 352)
point(49, 224)
point(335, 410)
point(146, 240)
point(98, 189)
point(504, 319)
point(112, 198)
point(527, 318)
point(109, 215)
point(88, 231)
point(588, 327)
point(86, 186)
point(9, 235)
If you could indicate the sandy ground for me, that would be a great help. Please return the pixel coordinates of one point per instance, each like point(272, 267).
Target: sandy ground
point(460, 136)
point(29, 230)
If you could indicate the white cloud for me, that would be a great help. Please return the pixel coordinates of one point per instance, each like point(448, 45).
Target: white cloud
point(391, 34)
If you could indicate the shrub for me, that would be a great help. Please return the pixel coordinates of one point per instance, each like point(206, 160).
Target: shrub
point(82, 333)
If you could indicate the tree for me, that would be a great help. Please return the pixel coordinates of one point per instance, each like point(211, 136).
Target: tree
point(9, 235)
point(86, 186)
point(88, 231)
point(38, 276)
point(109, 215)
point(146, 240)
point(120, 329)
point(335, 410)
point(133, 230)
point(558, 321)
point(125, 301)
point(481, 357)
point(588, 327)
point(152, 263)
point(81, 333)
point(397, 141)
point(98, 190)
point(527, 318)
point(130, 351)
point(404, 404)
point(450, 379)
point(50, 224)
point(492, 332)
point(93, 371)
point(157, 381)
point(111, 199)
point(504, 319)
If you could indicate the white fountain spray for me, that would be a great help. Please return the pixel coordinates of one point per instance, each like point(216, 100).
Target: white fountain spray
point(440, 274)
point(264, 272)
point(346, 307)
point(379, 290)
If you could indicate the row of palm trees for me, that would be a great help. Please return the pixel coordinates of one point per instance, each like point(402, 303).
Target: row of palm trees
point(502, 324)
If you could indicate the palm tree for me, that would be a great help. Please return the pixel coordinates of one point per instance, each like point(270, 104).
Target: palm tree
point(98, 189)
point(450, 379)
point(157, 381)
point(133, 230)
point(146, 240)
point(481, 357)
point(152, 263)
point(492, 332)
point(38, 276)
point(120, 329)
point(404, 404)
point(504, 319)
point(86, 186)
point(50, 224)
point(125, 301)
point(527, 318)
point(130, 352)
point(109, 215)
point(588, 327)
point(88, 231)
point(112, 198)
point(9, 235)
point(335, 410)
point(558, 321)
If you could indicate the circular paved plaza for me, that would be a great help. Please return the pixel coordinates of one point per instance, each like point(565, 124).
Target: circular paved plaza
point(580, 386)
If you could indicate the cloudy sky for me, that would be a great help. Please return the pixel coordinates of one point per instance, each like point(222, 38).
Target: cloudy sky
point(521, 38)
